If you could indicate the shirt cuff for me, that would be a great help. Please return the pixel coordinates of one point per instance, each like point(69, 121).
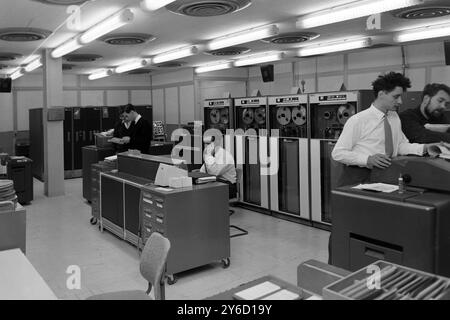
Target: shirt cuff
point(362, 160)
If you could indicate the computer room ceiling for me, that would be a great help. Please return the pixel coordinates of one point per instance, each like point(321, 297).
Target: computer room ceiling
point(26, 26)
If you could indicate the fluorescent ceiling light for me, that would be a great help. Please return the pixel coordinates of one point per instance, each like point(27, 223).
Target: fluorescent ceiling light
point(152, 5)
point(214, 67)
point(132, 65)
point(243, 37)
point(175, 54)
point(106, 26)
point(334, 47)
point(260, 58)
point(34, 65)
point(100, 74)
point(351, 11)
point(423, 33)
point(66, 48)
point(17, 74)
point(31, 58)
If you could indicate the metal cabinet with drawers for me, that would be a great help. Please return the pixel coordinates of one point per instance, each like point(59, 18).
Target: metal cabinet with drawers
point(194, 219)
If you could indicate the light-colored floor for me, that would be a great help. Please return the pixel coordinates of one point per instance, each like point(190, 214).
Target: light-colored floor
point(60, 235)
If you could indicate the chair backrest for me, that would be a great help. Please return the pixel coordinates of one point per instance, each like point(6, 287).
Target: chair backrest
point(153, 261)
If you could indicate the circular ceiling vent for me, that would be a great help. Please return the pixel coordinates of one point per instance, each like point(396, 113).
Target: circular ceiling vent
point(8, 56)
point(82, 57)
point(140, 71)
point(4, 66)
point(23, 34)
point(171, 64)
point(230, 51)
point(67, 66)
point(62, 2)
point(127, 39)
point(423, 12)
point(291, 37)
point(207, 8)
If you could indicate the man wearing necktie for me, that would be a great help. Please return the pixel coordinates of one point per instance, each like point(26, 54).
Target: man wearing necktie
point(371, 138)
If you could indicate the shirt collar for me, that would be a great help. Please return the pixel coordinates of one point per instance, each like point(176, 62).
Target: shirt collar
point(137, 118)
point(380, 115)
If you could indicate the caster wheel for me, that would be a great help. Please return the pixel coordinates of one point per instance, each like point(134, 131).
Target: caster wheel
point(93, 221)
point(225, 263)
point(171, 280)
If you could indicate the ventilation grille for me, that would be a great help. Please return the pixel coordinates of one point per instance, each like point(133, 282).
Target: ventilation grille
point(172, 64)
point(140, 71)
point(230, 51)
point(292, 37)
point(23, 34)
point(127, 39)
point(8, 56)
point(62, 2)
point(82, 57)
point(423, 13)
point(3, 66)
point(67, 66)
point(207, 8)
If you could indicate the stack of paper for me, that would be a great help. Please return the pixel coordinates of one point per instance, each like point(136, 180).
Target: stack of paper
point(8, 196)
point(380, 187)
point(257, 291)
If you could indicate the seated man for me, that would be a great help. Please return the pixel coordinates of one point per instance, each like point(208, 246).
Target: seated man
point(220, 163)
point(434, 102)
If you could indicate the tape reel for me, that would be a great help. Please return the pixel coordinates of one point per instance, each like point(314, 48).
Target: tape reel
point(284, 116)
point(224, 116)
point(214, 116)
point(299, 115)
point(345, 112)
point(248, 116)
point(260, 116)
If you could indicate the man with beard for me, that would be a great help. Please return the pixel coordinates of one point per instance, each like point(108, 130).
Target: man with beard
point(435, 99)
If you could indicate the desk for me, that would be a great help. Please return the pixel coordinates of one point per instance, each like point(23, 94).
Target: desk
point(19, 280)
point(228, 295)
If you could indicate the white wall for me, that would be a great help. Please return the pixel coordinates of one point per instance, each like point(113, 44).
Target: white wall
point(177, 96)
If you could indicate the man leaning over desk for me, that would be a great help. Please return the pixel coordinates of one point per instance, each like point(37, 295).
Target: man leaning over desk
point(220, 163)
point(372, 137)
point(417, 123)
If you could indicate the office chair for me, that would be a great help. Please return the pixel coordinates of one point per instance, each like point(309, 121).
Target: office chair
point(152, 267)
point(242, 232)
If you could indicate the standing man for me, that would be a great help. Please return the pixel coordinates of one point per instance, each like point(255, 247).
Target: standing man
point(121, 129)
point(371, 138)
point(141, 130)
point(435, 100)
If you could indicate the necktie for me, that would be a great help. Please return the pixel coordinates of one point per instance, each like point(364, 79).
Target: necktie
point(389, 144)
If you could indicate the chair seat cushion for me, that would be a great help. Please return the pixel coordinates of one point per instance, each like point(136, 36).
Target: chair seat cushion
point(122, 295)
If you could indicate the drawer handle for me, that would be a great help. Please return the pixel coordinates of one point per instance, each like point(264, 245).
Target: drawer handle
point(159, 220)
point(148, 201)
point(159, 205)
point(379, 255)
point(148, 216)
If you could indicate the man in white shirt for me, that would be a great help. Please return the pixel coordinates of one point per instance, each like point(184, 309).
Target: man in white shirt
point(371, 138)
point(220, 163)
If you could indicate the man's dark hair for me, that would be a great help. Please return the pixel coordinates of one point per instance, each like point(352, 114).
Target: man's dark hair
point(432, 89)
point(388, 82)
point(128, 108)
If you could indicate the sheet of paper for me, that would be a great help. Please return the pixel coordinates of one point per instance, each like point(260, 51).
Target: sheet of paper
point(164, 189)
point(381, 187)
point(282, 295)
point(314, 298)
point(112, 158)
point(258, 291)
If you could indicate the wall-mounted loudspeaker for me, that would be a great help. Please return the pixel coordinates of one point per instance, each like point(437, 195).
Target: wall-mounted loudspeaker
point(5, 84)
point(447, 52)
point(267, 73)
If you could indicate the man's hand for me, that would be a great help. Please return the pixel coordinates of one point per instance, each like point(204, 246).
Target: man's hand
point(433, 148)
point(378, 160)
point(126, 140)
